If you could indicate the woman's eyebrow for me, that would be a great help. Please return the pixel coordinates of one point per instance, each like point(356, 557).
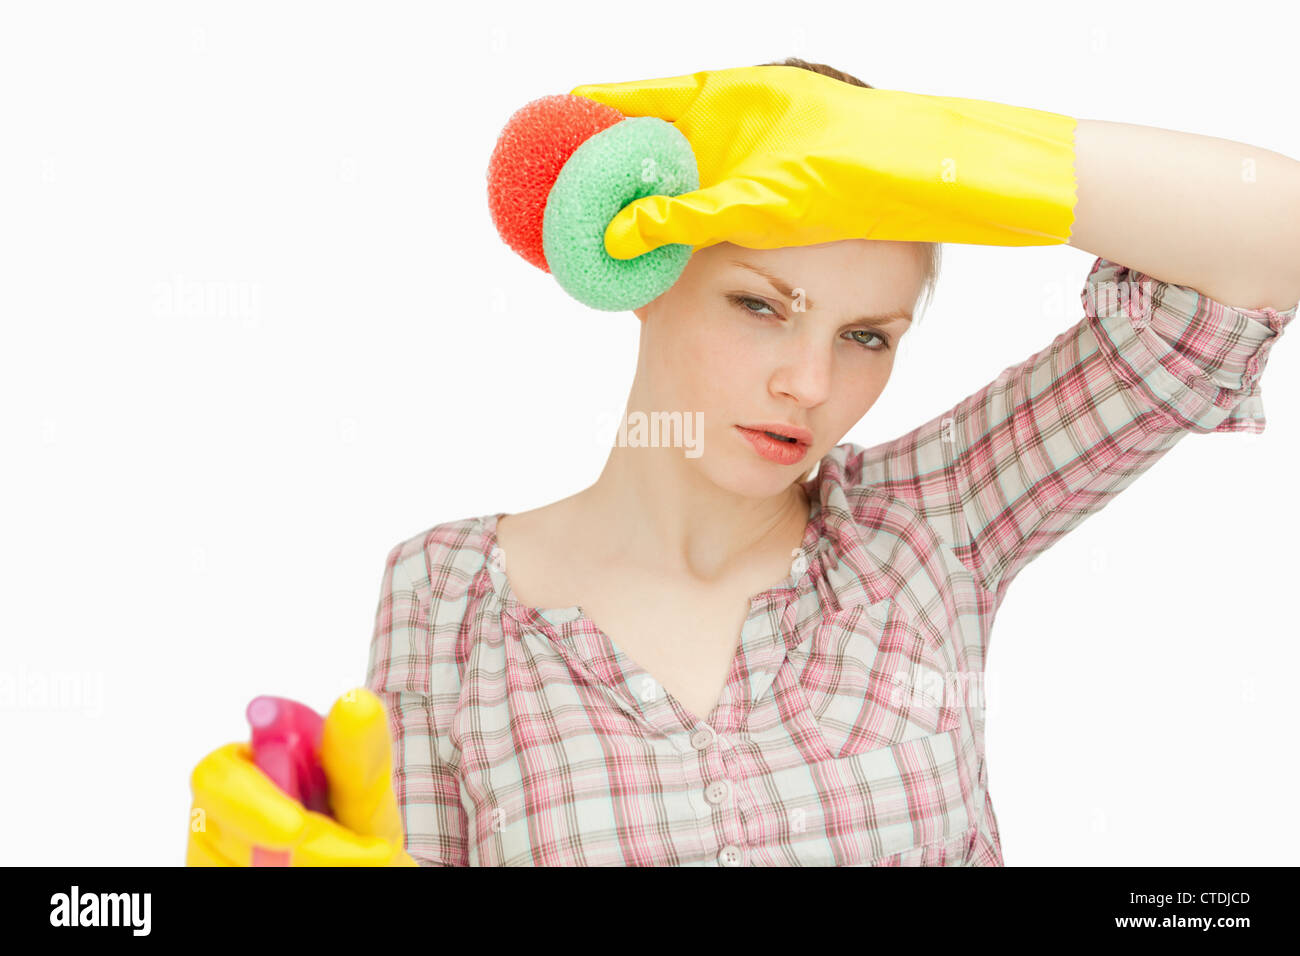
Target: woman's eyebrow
point(786, 290)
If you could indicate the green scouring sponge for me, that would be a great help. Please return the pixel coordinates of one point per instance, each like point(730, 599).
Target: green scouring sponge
point(562, 169)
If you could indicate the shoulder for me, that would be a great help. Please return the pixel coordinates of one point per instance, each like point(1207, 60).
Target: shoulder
point(443, 561)
point(885, 489)
point(841, 464)
point(432, 610)
point(442, 575)
point(846, 483)
point(850, 470)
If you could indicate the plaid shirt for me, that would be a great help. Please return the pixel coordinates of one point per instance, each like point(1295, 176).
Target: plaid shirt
point(851, 728)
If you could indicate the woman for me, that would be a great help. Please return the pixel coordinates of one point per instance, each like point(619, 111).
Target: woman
point(722, 659)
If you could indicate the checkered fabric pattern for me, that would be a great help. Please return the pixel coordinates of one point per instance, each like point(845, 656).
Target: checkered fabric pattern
point(851, 729)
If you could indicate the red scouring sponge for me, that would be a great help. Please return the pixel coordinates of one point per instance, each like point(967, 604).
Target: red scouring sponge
point(530, 152)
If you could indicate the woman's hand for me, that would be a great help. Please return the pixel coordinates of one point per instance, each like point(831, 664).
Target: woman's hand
point(788, 157)
point(237, 807)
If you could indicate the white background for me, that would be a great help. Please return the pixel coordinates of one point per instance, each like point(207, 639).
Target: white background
point(258, 328)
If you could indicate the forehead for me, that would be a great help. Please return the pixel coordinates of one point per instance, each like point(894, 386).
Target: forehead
point(843, 274)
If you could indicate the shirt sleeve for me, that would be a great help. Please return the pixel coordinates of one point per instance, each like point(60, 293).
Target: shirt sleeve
point(403, 671)
point(1008, 471)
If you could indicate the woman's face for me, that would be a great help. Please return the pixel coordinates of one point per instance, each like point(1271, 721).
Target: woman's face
point(810, 347)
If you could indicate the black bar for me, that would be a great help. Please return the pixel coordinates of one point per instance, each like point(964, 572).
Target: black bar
point(328, 905)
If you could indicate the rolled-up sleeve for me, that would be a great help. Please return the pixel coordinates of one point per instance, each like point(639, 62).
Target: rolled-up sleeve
point(1197, 359)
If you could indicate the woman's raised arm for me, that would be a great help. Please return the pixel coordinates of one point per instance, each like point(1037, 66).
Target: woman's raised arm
point(1219, 216)
point(1009, 470)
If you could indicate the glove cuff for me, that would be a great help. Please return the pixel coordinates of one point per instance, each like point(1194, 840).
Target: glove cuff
point(974, 171)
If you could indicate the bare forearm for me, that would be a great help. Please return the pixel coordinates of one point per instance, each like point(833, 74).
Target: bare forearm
point(1218, 216)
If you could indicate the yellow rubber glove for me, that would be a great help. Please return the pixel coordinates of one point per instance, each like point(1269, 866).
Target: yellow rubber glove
point(788, 157)
point(236, 806)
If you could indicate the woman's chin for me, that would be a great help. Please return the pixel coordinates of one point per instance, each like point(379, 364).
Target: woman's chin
point(756, 477)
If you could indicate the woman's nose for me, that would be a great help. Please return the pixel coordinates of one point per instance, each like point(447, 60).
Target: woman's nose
point(804, 372)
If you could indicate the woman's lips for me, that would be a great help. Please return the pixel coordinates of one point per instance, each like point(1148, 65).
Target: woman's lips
point(774, 449)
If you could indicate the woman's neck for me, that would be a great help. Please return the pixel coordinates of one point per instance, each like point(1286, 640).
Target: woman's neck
point(651, 508)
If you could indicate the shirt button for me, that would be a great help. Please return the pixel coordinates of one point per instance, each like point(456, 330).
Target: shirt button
point(702, 738)
point(730, 855)
point(716, 792)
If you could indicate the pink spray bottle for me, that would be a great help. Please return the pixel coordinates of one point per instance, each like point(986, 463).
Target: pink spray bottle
point(286, 747)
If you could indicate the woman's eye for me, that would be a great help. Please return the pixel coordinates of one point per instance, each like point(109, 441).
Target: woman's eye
point(746, 302)
point(743, 303)
point(869, 334)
